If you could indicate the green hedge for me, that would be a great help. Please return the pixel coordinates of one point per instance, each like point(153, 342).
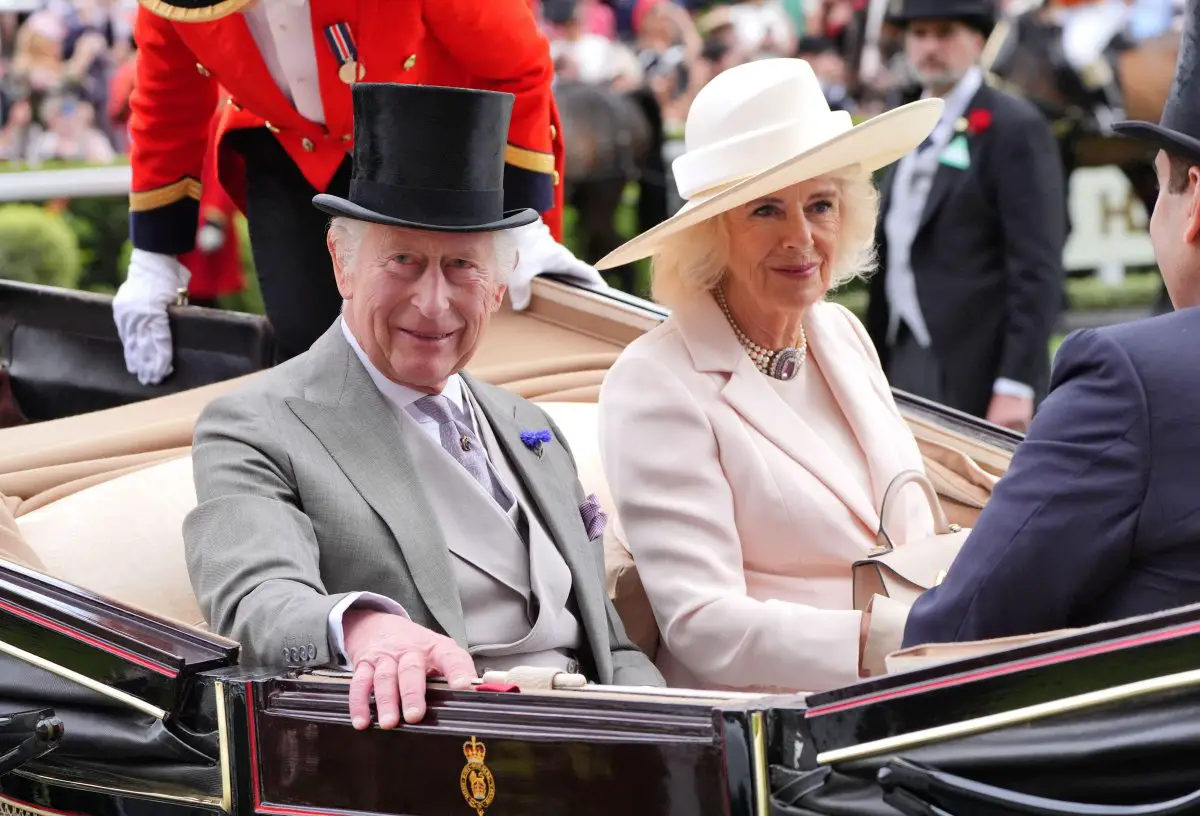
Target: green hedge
point(97, 257)
point(37, 246)
point(1139, 290)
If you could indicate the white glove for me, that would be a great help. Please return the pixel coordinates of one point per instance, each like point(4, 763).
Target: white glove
point(210, 238)
point(539, 254)
point(140, 312)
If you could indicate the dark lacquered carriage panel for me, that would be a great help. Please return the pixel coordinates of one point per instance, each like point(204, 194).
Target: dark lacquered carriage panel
point(511, 753)
point(103, 640)
point(1064, 667)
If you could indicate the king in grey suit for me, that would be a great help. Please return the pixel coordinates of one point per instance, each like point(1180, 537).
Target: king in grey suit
point(367, 505)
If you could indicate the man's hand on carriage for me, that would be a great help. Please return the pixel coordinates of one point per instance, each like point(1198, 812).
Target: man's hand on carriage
point(140, 312)
point(391, 657)
point(537, 254)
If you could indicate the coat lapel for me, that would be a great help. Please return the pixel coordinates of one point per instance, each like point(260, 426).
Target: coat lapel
point(715, 348)
point(549, 484)
point(228, 48)
point(888, 447)
point(946, 178)
point(346, 412)
point(886, 183)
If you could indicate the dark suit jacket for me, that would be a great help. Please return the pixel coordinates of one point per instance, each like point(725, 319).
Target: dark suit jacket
point(988, 256)
point(1098, 517)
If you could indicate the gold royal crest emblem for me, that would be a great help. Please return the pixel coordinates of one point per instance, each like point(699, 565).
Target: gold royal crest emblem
point(476, 782)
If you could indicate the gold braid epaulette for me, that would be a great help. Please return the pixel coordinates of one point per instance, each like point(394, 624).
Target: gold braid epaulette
point(206, 14)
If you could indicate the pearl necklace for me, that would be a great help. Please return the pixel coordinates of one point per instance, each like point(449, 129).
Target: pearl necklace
point(782, 364)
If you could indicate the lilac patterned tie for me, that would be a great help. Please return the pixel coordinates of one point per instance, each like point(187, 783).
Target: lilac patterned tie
point(461, 443)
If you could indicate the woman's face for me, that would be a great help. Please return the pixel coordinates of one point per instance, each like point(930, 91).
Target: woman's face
point(782, 246)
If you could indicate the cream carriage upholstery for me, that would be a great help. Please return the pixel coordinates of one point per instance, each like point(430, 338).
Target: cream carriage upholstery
point(98, 501)
point(120, 536)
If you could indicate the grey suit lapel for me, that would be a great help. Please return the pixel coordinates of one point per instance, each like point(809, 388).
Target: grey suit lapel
point(541, 476)
point(550, 485)
point(346, 412)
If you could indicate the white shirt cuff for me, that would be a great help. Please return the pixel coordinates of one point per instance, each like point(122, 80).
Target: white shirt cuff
point(1012, 388)
point(361, 600)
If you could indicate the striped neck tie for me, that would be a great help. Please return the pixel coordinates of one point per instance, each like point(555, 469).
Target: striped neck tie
point(463, 445)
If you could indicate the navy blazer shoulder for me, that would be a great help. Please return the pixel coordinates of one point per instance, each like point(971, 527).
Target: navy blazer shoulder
point(1098, 516)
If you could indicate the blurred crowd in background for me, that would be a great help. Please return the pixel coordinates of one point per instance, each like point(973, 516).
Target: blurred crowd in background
point(66, 65)
point(61, 66)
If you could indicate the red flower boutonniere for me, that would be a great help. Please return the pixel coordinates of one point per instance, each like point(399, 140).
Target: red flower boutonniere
point(975, 122)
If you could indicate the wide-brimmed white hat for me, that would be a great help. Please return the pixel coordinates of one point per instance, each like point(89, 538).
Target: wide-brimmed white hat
point(763, 126)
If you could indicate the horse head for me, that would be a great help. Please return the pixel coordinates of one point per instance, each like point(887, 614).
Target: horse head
point(1026, 53)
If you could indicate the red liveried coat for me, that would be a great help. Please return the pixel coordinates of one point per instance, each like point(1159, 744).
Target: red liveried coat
point(487, 44)
point(219, 272)
point(213, 273)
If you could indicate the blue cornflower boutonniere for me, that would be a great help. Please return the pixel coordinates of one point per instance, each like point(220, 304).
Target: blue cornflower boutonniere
point(535, 439)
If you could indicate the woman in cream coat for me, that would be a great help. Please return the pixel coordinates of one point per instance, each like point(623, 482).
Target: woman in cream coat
point(748, 440)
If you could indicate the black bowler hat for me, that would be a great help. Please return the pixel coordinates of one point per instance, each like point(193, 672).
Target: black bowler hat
point(1180, 124)
point(978, 14)
point(194, 11)
point(430, 158)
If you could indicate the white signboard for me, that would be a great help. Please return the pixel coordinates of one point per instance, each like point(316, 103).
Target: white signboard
point(1108, 224)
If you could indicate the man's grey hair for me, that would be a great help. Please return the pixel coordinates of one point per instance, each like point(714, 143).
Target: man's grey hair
point(348, 235)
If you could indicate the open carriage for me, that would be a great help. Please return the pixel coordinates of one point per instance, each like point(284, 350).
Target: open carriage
point(115, 698)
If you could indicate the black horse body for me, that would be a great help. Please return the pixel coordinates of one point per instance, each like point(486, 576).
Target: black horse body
point(1030, 62)
point(611, 139)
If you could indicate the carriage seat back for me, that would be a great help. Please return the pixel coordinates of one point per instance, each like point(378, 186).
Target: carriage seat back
point(111, 539)
point(64, 356)
point(123, 538)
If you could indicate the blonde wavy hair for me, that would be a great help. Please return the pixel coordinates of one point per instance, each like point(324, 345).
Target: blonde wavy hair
point(693, 261)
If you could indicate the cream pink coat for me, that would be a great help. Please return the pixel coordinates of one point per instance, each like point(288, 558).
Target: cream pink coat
point(741, 521)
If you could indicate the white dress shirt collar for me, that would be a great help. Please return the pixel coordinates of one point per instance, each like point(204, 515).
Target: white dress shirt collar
point(401, 397)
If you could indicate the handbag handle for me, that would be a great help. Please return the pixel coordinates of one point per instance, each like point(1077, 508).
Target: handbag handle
point(941, 525)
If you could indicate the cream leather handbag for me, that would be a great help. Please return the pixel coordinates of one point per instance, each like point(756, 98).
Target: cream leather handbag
point(903, 573)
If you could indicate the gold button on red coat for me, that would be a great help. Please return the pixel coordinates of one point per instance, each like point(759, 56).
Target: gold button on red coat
point(203, 71)
point(307, 144)
point(410, 62)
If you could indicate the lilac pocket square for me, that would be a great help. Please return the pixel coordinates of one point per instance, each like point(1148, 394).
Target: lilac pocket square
point(594, 517)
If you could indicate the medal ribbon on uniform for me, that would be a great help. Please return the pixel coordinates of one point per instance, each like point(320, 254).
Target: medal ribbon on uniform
point(345, 51)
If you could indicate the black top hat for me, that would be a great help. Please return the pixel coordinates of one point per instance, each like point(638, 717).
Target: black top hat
point(430, 158)
point(1180, 124)
point(979, 14)
point(194, 11)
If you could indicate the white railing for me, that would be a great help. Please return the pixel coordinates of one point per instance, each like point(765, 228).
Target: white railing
point(1108, 223)
point(74, 182)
